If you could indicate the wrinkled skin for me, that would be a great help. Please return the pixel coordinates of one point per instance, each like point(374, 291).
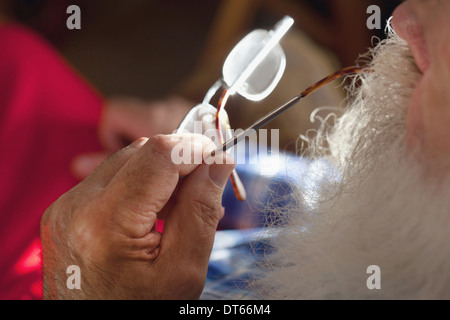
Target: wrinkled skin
point(106, 225)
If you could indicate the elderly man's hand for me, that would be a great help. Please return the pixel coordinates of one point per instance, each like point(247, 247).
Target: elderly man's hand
point(106, 225)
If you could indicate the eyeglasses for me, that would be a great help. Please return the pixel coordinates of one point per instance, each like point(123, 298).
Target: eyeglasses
point(252, 69)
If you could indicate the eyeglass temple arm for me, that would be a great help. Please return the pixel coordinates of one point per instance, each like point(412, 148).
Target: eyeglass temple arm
point(255, 126)
point(212, 91)
point(275, 113)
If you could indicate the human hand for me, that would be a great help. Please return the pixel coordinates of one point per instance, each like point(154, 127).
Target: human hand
point(106, 224)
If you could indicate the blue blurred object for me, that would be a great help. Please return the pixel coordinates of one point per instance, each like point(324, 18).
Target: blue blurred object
point(245, 241)
point(233, 264)
point(263, 190)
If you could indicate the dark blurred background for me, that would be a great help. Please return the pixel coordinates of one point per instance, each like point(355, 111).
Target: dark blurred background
point(153, 48)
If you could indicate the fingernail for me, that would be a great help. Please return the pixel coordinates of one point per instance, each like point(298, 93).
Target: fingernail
point(136, 143)
point(219, 173)
point(139, 142)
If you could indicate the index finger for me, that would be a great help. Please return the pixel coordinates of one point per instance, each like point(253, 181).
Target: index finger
point(145, 183)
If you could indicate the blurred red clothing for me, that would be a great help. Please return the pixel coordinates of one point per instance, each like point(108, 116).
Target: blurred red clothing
point(48, 115)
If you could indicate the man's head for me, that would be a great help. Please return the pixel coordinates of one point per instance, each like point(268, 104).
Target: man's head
point(426, 28)
point(385, 203)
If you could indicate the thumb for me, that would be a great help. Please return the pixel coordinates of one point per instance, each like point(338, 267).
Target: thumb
point(190, 227)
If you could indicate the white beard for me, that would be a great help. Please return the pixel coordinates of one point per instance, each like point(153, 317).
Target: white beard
point(385, 211)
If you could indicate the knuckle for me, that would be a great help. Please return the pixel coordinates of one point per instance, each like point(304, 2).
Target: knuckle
point(162, 145)
point(208, 211)
point(57, 213)
point(152, 254)
point(160, 148)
